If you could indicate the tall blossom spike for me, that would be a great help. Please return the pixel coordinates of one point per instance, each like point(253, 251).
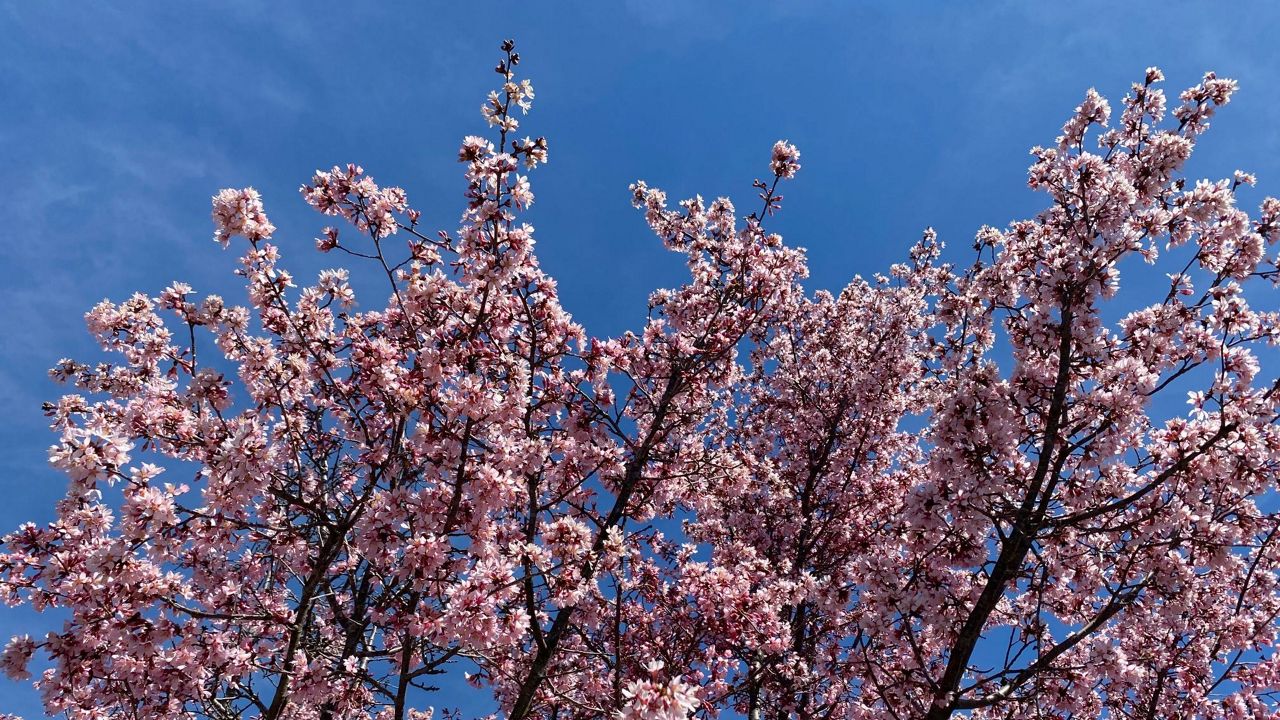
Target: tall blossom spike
point(946, 491)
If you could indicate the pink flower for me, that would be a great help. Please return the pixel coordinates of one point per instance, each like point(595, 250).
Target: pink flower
point(328, 240)
point(239, 212)
point(653, 699)
point(16, 655)
point(786, 160)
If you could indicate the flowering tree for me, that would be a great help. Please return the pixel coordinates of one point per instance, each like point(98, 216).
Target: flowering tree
point(945, 490)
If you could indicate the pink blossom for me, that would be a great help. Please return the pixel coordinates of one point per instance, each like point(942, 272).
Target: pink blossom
point(786, 159)
point(16, 655)
point(649, 699)
point(239, 212)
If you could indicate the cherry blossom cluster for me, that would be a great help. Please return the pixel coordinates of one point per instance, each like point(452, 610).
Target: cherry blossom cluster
point(647, 699)
point(351, 194)
point(240, 213)
point(786, 160)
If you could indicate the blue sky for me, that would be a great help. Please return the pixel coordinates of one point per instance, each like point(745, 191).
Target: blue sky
point(120, 120)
